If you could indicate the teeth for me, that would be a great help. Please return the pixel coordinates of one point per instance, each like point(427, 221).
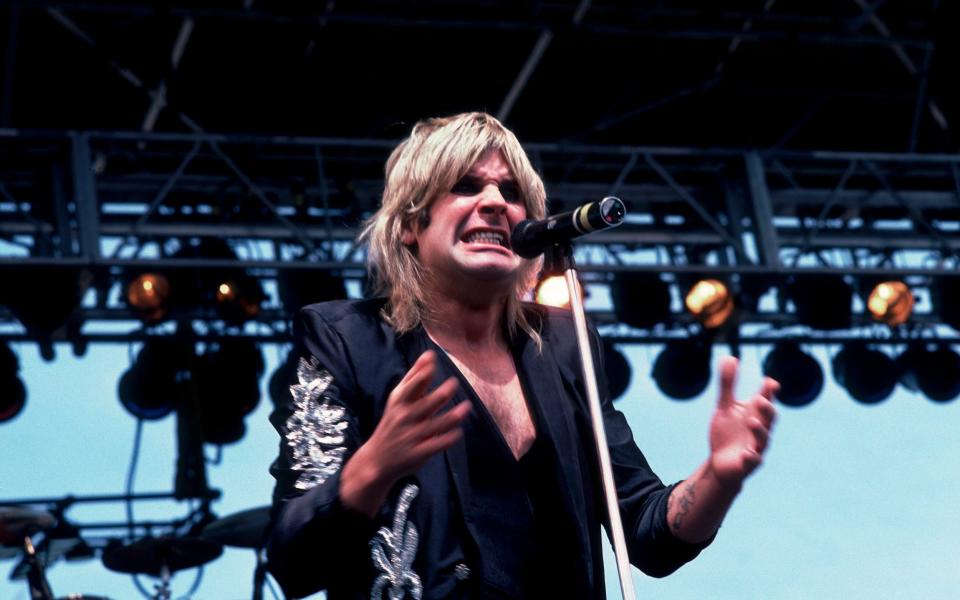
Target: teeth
point(485, 237)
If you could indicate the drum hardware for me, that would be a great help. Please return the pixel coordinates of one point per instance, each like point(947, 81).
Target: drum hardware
point(160, 557)
point(245, 529)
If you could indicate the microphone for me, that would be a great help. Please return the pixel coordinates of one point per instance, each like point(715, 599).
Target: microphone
point(531, 238)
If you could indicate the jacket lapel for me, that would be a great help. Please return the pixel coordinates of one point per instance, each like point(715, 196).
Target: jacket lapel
point(540, 376)
point(412, 345)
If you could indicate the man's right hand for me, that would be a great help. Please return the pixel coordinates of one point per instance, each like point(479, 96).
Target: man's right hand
point(411, 430)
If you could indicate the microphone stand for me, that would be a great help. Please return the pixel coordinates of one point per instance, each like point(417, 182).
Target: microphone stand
point(560, 258)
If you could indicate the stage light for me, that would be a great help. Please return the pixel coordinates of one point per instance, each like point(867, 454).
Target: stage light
point(890, 302)
point(151, 388)
point(617, 368)
point(13, 394)
point(946, 295)
point(228, 382)
point(299, 287)
point(868, 375)
point(682, 370)
point(43, 299)
point(934, 372)
point(282, 379)
point(552, 291)
point(238, 299)
point(710, 301)
point(821, 301)
point(149, 295)
point(799, 374)
point(640, 300)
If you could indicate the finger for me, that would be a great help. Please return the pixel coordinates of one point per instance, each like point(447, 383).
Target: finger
point(426, 405)
point(439, 443)
point(728, 378)
point(447, 421)
point(414, 383)
point(761, 434)
point(769, 388)
point(764, 409)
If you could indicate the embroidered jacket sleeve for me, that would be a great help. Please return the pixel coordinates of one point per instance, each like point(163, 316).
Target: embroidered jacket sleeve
point(314, 540)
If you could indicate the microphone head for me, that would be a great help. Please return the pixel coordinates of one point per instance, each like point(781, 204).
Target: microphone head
point(612, 211)
point(520, 242)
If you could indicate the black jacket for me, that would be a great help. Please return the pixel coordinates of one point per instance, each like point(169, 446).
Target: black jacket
point(429, 538)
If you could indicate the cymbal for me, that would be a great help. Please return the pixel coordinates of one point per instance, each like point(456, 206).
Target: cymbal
point(245, 529)
point(18, 521)
point(149, 555)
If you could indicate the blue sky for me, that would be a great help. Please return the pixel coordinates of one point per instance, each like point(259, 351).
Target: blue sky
point(853, 501)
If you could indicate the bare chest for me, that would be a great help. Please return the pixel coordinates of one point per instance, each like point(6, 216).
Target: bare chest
point(498, 387)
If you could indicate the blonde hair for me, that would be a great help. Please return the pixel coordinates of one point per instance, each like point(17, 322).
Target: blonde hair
point(424, 167)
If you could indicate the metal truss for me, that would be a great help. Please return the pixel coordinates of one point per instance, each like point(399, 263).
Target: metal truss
point(111, 204)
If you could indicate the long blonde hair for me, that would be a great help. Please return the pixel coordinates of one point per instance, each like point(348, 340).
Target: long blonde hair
point(420, 170)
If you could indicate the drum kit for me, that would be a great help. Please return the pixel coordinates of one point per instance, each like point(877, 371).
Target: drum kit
point(159, 557)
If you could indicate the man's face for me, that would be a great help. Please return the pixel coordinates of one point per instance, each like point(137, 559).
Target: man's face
point(468, 237)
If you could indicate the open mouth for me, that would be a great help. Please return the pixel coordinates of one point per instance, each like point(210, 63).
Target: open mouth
point(487, 237)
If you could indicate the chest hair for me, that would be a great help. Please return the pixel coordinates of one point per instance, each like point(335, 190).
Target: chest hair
point(497, 384)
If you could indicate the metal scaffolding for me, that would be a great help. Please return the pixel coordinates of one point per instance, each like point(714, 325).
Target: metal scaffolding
point(112, 204)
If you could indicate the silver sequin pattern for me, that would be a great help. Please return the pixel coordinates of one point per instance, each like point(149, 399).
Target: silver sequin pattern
point(316, 430)
point(393, 551)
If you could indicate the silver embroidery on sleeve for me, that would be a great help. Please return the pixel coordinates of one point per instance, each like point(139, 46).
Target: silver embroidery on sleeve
point(393, 551)
point(316, 430)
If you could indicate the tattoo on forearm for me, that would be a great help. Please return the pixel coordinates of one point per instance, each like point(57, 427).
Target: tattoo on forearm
point(686, 502)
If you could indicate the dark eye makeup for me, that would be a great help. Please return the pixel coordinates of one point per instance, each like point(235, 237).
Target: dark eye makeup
point(470, 186)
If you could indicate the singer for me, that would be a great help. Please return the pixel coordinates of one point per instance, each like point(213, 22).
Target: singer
point(436, 441)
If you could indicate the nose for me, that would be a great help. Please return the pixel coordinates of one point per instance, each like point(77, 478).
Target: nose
point(492, 201)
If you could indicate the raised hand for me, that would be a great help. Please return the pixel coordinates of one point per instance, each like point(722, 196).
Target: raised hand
point(411, 430)
point(739, 431)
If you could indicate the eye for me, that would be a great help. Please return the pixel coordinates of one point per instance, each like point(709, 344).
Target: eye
point(467, 186)
point(510, 191)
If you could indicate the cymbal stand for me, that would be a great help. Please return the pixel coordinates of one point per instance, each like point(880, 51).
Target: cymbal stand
point(259, 574)
point(36, 578)
point(163, 588)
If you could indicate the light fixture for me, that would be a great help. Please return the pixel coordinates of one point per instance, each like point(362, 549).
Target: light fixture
point(617, 368)
point(933, 371)
point(868, 375)
point(238, 298)
point(821, 301)
point(640, 300)
point(890, 302)
point(149, 295)
point(282, 379)
point(799, 374)
point(43, 299)
point(300, 287)
point(150, 388)
point(228, 380)
point(946, 296)
point(13, 394)
point(552, 291)
point(710, 301)
point(682, 370)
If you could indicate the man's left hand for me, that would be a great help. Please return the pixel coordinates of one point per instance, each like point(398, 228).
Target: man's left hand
point(739, 431)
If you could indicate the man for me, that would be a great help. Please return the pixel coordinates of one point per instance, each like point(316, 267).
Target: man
point(437, 442)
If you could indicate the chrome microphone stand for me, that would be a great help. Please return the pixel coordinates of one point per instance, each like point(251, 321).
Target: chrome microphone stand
point(560, 258)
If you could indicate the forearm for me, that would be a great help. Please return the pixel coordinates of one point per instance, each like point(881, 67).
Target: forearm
point(363, 486)
point(697, 506)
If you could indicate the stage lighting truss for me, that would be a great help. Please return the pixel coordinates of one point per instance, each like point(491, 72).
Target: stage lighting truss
point(723, 214)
